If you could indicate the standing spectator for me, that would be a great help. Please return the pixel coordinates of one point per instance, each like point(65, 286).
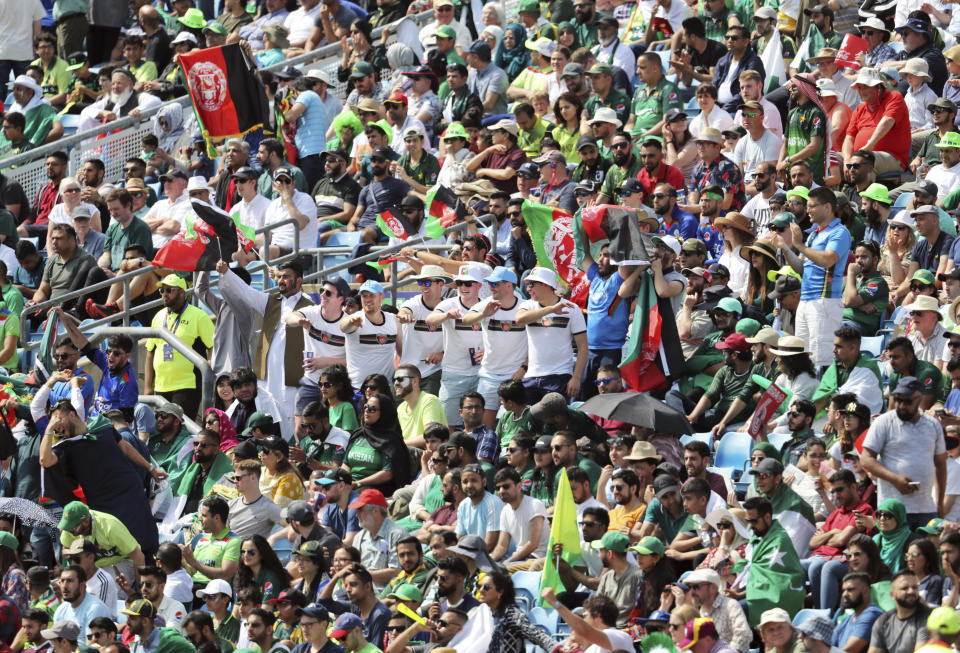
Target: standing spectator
point(899, 449)
point(21, 25)
point(290, 203)
point(310, 115)
point(486, 80)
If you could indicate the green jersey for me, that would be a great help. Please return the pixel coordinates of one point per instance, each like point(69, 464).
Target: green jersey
point(873, 290)
point(615, 100)
point(649, 105)
point(805, 122)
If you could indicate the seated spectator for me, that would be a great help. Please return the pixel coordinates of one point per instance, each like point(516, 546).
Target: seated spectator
point(41, 126)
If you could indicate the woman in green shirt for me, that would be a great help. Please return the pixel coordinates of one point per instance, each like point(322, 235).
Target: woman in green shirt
point(567, 111)
point(376, 455)
point(338, 395)
point(260, 566)
point(520, 457)
point(542, 480)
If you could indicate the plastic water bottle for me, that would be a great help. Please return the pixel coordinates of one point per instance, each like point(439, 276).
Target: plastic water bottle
point(922, 169)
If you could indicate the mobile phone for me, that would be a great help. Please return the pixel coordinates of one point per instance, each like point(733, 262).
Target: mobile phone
point(914, 484)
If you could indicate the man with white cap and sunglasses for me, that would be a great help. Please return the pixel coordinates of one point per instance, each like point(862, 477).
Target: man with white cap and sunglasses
point(421, 344)
point(553, 325)
point(707, 587)
point(312, 119)
point(462, 343)
point(504, 339)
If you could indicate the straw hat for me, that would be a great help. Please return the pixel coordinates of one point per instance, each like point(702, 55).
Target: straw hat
point(762, 247)
point(736, 220)
point(789, 346)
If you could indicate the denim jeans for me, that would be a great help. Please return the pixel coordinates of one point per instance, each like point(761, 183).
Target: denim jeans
point(825, 575)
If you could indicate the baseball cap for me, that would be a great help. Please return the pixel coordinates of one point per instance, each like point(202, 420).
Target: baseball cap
point(543, 443)
point(371, 286)
point(298, 511)
point(506, 125)
point(383, 153)
point(648, 545)
point(291, 596)
point(768, 466)
point(693, 245)
point(600, 68)
point(68, 630)
point(79, 545)
point(260, 419)
point(369, 497)
point(361, 69)
point(670, 242)
point(344, 624)
point(528, 170)
point(283, 171)
point(246, 172)
point(73, 513)
point(551, 156)
point(572, 70)
point(274, 443)
point(76, 60)
point(246, 450)
point(774, 615)
point(315, 611)
point(728, 304)
point(140, 608)
point(735, 342)
point(696, 629)
point(543, 275)
point(501, 273)
point(673, 115)
point(480, 48)
point(665, 484)
point(819, 9)
point(612, 541)
point(310, 549)
point(553, 404)
point(908, 385)
point(406, 592)
point(176, 173)
point(215, 586)
point(335, 475)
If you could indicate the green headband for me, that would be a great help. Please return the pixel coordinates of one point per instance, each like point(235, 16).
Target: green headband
point(714, 196)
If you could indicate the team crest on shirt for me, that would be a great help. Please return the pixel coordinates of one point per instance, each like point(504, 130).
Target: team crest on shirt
point(505, 326)
point(547, 321)
point(873, 287)
point(267, 587)
point(928, 380)
point(382, 339)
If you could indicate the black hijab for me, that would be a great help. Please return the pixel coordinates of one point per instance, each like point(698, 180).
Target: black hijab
point(385, 437)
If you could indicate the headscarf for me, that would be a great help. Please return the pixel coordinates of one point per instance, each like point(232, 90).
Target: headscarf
point(385, 437)
point(894, 543)
point(571, 25)
point(401, 57)
point(807, 85)
point(514, 60)
point(228, 432)
point(168, 138)
point(495, 31)
point(769, 450)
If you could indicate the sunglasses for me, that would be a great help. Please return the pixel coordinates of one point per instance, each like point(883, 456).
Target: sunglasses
point(938, 110)
point(371, 409)
point(601, 382)
point(722, 526)
point(620, 146)
point(468, 284)
point(883, 514)
point(62, 357)
point(115, 352)
point(915, 287)
point(426, 283)
point(659, 196)
point(626, 193)
point(395, 629)
point(852, 166)
point(899, 227)
point(325, 384)
point(249, 552)
point(580, 193)
point(752, 115)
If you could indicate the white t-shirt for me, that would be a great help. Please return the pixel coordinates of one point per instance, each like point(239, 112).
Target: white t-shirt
point(300, 23)
point(953, 488)
point(771, 117)
point(179, 586)
point(324, 337)
point(102, 586)
point(517, 524)
point(371, 349)
point(165, 209)
point(17, 19)
point(618, 640)
point(719, 119)
point(59, 215)
point(748, 153)
point(757, 209)
point(9, 257)
point(946, 179)
point(504, 341)
point(550, 340)
point(251, 213)
point(419, 338)
point(283, 236)
point(459, 339)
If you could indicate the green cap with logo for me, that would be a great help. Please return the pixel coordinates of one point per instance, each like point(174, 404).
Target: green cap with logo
point(76, 60)
point(924, 276)
point(648, 545)
point(877, 192)
point(612, 541)
point(529, 5)
point(406, 592)
point(455, 130)
point(950, 139)
point(445, 32)
point(215, 28)
point(73, 513)
point(360, 69)
point(786, 270)
point(799, 191)
point(600, 68)
point(260, 419)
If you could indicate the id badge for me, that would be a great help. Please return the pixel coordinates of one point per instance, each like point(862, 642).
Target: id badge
point(168, 353)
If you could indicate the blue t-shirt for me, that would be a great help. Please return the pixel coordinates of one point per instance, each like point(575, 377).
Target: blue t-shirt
point(338, 522)
point(61, 390)
point(711, 238)
point(24, 277)
point(118, 390)
point(479, 520)
point(606, 331)
point(684, 225)
point(927, 256)
point(311, 136)
point(861, 628)
point(826, 283)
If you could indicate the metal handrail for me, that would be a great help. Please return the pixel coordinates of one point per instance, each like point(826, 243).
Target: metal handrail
point(156, 401)
point(206, 372)
point(133, 121)
point(126, 278)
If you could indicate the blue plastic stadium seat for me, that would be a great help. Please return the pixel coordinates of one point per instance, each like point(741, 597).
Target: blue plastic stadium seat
point(779, 439)
point(343, 239)
point(527, 586)
point(872, 345)
point(733, 450)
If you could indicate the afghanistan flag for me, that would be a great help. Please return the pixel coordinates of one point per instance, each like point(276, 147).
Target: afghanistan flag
point(227, 95)
point(563, 530)
point(774, 575)
point(551, 232)
point(393, 223)
point(628, 246)
point(210, 236)
point(444, 205)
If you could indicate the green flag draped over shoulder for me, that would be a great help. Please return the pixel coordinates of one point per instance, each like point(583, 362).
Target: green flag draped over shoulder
point(794, 515)
point(774, 575)
point(563, 530)
point(811, 45)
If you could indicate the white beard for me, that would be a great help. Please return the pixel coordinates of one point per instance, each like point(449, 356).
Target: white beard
point(121, 99)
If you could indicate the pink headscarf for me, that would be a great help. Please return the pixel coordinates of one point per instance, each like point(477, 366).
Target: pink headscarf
point(807, 85)
point(228, 432)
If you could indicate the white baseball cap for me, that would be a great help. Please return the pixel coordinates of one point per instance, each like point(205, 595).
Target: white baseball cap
point(469, 273)
point(216, 586)
point(197, 183)
point(902, 218)
point(543, 275)
point(670, 242)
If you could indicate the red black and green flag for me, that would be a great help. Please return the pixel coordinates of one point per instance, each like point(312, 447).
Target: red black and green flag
point(210, 236)
point(393, 223)
point(628, 246)
point(551, 232)
point(444, 205)
point(227, 94)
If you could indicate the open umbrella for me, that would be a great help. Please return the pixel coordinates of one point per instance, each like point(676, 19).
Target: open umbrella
point(28, 512)
point(639, 409)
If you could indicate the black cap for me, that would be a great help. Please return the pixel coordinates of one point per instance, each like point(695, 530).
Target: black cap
point(736, 132)
point(383, 152)
point(673, 115)
point(952, 274)
point(768, 466)
point(631, 184)
point(543, 444)
point(607, 20)
point(590, 186)
point(245, 172)
point(528, 169)
point(246, 450)
point(667, 468)
point(340, 284)
point(908, 385)
point(785, 284)
point(176, 173)
point(339, 152)
point(819, 9)
point(412, 201)
point(585, 140)
point(288, 72)
point(665, 484)
point(420, 71)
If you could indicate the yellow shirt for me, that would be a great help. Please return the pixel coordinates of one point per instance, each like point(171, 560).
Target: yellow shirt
point(413, 421)
point(145, 72)
point(171, 369)
point(620, 517)
point(282, 489)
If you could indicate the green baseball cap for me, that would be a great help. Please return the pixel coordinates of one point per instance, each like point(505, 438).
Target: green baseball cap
point(260, 419)
point(174, 281)
point(455, 130)
point(799, 191)
point(193, 18)
point(648, 545)
point(73, 513)
point(933, 526)
point(950, 139)
point(529, 5)
point(878, 192)
point(612, 541)
point(76, 60)
point(748, 327)
point(600, 68)
point(445, 32)
point(361, 69)
point(785, 271)
point(783, 219)
point(730, 305)
point(924, 276)
point(9, 540)
point(406, 592)
point(216, 28)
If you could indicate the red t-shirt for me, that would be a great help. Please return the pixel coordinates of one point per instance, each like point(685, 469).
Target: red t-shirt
point(512, 158)
point(838, 520)
point(665, 174)
point(864, 122)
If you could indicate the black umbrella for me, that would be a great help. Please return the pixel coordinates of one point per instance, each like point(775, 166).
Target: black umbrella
point(639, 409)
